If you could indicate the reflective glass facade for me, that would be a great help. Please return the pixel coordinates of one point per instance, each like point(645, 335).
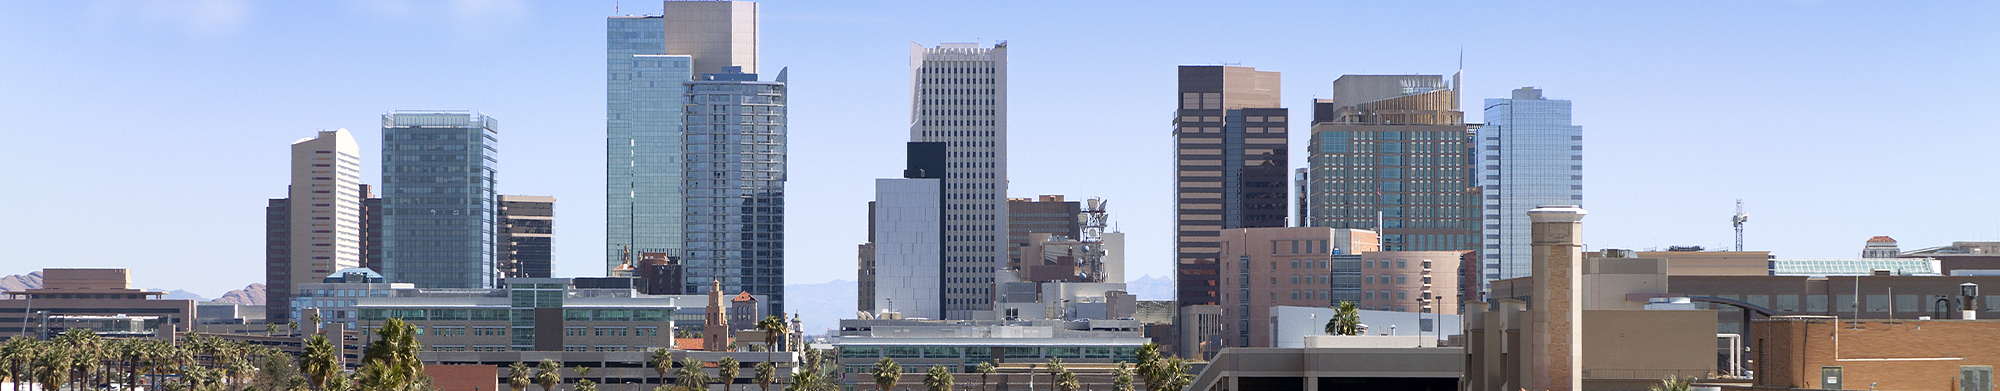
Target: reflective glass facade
point(1391, 152)
point(643, 118)
point(438, 171)
point(1529, 155)
point(734, 143)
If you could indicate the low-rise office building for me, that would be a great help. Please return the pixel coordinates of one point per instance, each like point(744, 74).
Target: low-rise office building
point(960, 345)
point(1824, 352)
point(90, 294)
point(596, 314)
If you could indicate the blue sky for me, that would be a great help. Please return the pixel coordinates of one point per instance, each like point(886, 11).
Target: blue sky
point(148, 135)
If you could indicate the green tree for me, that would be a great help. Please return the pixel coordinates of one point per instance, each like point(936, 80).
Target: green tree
point(1066, 381)
point(17, 359)
point(691, 376)
point(1149, 365)
point(937, 378)
point(767, 373)
point(519, 376)
point(1346, 320)
point(52, 366)
point(1175, 374)
point(887, 372)
point(390, 363)
point(1674, 383)
point(586, 385)
point(319, 361)
point(548, 374)
point(774, 329)
point(662, 361)
point(984, 368)
point(1121, 378)
point(728, 368)
point(583, 372)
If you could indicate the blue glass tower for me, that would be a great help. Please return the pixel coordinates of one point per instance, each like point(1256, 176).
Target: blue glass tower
point(438, 171)
point(643, 105)
point(734, 143)
point(1530, 156)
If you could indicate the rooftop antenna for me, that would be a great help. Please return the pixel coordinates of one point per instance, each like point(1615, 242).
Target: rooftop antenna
point(1738, 220)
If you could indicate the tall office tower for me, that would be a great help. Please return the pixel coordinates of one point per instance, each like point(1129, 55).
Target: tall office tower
point(958, 96)
point(1529, 156)
point(1230, 168)
point(321, 219)
point(527, 236)
point(438, 171)
point(648, 60)
point(1391, 152)
point(1046, 214)
point(371, 229)
point(734, 144)
point(1301, 187)
point(909, 228)
point(864, 273)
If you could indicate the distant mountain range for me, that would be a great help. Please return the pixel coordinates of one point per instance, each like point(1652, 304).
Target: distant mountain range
point(253, 294)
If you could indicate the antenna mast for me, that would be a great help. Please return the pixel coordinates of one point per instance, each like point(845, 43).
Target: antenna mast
point(1094, 219)
point(1738, 220)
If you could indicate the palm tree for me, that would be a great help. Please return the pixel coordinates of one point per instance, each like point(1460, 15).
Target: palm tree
point(548, 374)
point(270, 329)
point(1066, 381)
point(662, 360)
point(691, 376)
point(52, 367)
point(1346, 320)
point(1175, 373)
point(17, 359)
point(1150, 364)
point(984, 368)
point(291, 327)
point(1674, 383)
point(519, 376)
point(728, 368)
point(773, 328)
point(1056, 369)
point(396, 353)
point(319, 361)
point(85, 348)
point(583, 372)
point(937, 378)
point(586, 385)
point(767, 373)
point(1121, 378)
point(887, 372)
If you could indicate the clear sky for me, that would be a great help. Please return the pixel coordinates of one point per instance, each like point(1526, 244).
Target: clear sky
point(148, 134)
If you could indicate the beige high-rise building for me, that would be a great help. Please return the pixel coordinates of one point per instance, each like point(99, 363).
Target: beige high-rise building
point(322, 215)
point(717, 34)
point(1279, 266)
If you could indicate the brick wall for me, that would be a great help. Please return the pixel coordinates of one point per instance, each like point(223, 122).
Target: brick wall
point(1890, 354)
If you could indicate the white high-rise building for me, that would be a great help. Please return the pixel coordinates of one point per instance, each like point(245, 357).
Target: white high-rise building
point(958, 96)
point(1529, 155)
point(321, 218)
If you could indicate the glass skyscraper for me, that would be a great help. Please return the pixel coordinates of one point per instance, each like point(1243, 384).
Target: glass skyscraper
point(695, 179)
point(438, 171)
point(735, 184)
point(1529, 155)
point(959, 97)
point(644, 99)
point(1391, 153)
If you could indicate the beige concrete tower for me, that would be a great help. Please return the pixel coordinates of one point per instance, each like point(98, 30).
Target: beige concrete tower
point(323, 217)
point(1557, 310)
point(715, 327)
point(717, 33)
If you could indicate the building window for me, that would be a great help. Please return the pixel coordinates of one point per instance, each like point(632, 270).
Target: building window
point(1402, 295)
point(574, 332)
point(1295, 264)
point(1295, 295)
point(1295, 279)
point(1402, 264)
point(1402, 279)
point(1368, 264)
point(1368, 279)
point(1368, 295)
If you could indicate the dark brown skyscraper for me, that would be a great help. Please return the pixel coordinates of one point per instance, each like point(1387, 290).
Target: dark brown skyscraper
point(1230, 167)
point(527, 232)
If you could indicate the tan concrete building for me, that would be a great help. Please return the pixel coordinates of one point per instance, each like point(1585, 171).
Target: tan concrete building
point(86, 294)
point(321, 219)
point(1713, 263)
point(1411, 281)
point(1814, 352)
point(1268, 267)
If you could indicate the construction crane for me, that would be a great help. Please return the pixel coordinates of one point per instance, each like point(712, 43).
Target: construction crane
point(1094, 220)
point(1738, 220)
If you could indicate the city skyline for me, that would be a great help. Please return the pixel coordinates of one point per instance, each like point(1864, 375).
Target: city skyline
point(1770, 80)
